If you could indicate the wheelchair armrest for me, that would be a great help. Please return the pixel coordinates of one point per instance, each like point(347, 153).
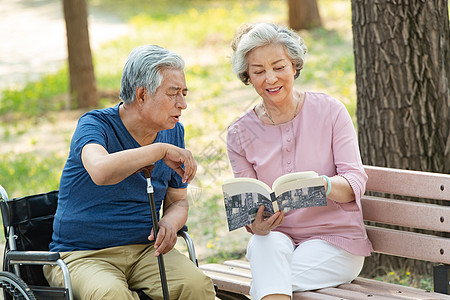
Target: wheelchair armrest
point(41, 258)
point(32, 256)
point(183, 232)
point(182, 229)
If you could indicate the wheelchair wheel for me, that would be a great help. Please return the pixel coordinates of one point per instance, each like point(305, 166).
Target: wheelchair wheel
point(14, 287)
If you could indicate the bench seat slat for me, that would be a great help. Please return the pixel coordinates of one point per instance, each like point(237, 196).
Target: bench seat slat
point(226, 269)
point(406, 213)
point(244, 264)
point(409, 244)
point(408, 183)
point(397, 289)
point(316, 296)
point(387, 292)
point(231, 283)
point(354, 294)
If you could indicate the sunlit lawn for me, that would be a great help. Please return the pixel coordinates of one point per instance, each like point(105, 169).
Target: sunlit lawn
point(201, 32)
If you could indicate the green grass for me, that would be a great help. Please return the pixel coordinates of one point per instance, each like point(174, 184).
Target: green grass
point(35, 98)
point(30, 173)
point(406, 278)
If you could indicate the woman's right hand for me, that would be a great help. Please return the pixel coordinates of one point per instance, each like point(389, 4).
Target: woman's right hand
point(263, 226)
point(175, 157)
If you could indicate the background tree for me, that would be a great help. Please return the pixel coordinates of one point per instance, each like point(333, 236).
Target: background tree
point(304, 14)
point(83, 88)
point(402, 65)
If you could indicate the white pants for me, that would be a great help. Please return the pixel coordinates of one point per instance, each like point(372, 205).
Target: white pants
point(280, 268)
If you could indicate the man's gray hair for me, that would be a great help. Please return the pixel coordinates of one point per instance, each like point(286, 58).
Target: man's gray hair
point(262, 34)
point(143, 69)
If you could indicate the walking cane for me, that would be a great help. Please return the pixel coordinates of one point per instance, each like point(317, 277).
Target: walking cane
point(162, 271)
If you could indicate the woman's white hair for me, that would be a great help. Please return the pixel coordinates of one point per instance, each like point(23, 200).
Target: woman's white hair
point(143, 69)
point(257, 35)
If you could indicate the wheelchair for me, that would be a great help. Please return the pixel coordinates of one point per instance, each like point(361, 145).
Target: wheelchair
point(28, 227)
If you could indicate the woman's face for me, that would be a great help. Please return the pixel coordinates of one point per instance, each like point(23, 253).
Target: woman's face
point(272, 73)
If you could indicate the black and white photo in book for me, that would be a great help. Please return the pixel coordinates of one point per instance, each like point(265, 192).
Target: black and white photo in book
point(241, 208)
point(301, 198)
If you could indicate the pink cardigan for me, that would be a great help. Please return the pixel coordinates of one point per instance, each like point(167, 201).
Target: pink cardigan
point(320, 138)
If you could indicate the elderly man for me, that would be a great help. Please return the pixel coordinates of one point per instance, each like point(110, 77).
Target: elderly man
point(103, 225)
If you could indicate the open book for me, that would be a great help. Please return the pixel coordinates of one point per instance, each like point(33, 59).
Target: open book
point(243, 196)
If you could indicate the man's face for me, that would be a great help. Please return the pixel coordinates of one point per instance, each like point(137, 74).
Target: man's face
point(163, 109)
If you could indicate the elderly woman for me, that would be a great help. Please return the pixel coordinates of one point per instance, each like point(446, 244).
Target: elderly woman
point(288, 131)
point(103, 224)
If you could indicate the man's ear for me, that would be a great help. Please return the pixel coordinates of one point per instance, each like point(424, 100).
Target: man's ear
point(140, 93)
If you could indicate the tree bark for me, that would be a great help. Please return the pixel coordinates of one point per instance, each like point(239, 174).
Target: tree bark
point(83, 88)
point(402, 65)
point(304, 14)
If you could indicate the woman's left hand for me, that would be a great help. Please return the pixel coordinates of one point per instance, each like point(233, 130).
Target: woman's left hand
point(263, 226)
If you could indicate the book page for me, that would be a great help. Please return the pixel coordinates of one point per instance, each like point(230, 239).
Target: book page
point(302, 198)
point(293, 184)
point(293, 176)
point(300, 193)
point(243, 197)
point(236, 186)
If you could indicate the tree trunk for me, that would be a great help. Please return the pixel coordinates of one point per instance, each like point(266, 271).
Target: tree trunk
point(83, 89)
point(304, 14)
point(402, 65)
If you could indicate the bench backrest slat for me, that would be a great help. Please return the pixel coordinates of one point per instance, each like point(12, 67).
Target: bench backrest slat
point(404, 213)
point(409, 244)
point(408, 183)
point(408, 214)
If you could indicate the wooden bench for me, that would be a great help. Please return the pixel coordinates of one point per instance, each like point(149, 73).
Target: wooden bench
point(232, 278)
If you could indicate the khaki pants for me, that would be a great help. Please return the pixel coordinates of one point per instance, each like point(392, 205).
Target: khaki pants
point(117, 272)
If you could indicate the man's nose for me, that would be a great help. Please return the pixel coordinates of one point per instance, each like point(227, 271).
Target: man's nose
point(181, 101)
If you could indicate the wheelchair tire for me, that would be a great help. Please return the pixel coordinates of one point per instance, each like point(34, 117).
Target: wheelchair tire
point(14, 287)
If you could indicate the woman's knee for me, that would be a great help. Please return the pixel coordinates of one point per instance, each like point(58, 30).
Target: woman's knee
point(274, 243)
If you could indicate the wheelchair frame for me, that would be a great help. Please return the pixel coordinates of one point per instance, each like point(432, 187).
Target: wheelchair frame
point(13, 258)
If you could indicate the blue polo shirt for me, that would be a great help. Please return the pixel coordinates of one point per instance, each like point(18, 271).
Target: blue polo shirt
point(91, 217)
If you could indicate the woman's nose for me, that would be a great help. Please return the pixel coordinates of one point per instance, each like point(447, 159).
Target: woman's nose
point(271, 77)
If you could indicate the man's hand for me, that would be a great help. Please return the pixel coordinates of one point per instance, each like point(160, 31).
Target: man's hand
point(175, 157)
point(166, 239)
point(263, 226)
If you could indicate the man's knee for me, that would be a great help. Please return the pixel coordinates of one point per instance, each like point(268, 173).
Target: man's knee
point(107, 290)
point(196, 285)
point(110, 291)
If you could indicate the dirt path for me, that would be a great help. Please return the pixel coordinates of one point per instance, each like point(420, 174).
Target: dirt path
point(34, 39)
